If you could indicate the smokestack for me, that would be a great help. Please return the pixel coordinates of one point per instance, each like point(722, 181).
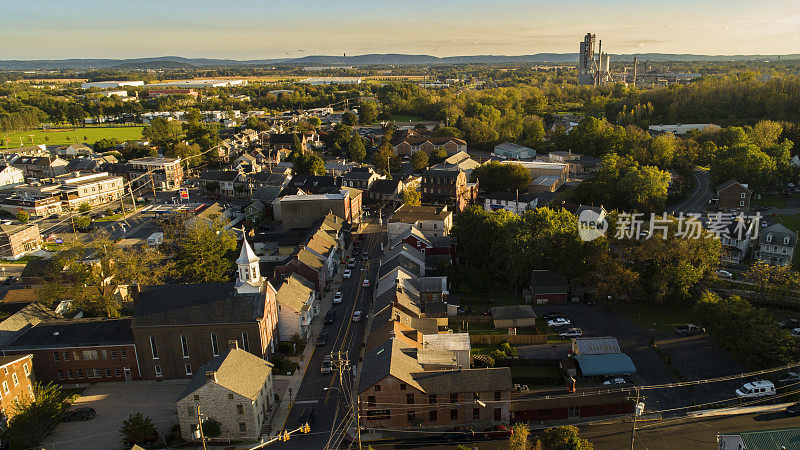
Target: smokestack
point(211, 375)
point(233, 344)
point(635, 60)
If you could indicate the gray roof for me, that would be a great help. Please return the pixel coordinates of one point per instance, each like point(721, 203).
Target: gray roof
point(778, 233)
point(385, 186)
point(606, 364)
point(399, 260)
point(730, 183)
point(595, 346)
point(547, 282)
point(26, 317)
point(358, 175)
point(75, 333)
point(513, 312)
point(200, 303)
point(388, 359)
point(788, 438)
point(219, 175)
point(466, 380)
point(236, 370)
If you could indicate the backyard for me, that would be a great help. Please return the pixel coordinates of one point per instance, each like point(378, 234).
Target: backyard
point(771, 201)
point(65, 136)
point(658, 317)
point(790, 221)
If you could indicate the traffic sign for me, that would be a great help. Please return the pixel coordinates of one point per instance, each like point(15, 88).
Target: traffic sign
point(184, 193)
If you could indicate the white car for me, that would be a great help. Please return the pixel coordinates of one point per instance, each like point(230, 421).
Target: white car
point(326, 365)
point(615, 381)
point(760, 388)
point(357, 316)
point(337, 297)
point(347, 273)
point(724, 274)
point(572, 332)
point(558, 322)
point(795, 333)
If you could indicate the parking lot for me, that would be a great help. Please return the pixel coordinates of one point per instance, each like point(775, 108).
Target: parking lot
point(690, 358)
point(115, 402)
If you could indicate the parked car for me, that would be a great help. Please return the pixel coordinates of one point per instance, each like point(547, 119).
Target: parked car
point(347, 273)
point(724, 274)
point(337, 297)
point(557, 322)
point(306, 416)
point(789, 378)
point(617, 380)
point(571, 332)
point(575, 299)
point(364, 256)
point(322, 339)
point(326, 364)
point(78, 414)
point(793, 409)
point(365, 283)
point(330, 317)
point(351, 264)
point(591, 301)
point(357, 316)
point(689, 329)
point(753, 389)
point(789, 324)
point(795, 333)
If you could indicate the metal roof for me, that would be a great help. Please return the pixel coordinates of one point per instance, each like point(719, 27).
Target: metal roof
point(606, 364)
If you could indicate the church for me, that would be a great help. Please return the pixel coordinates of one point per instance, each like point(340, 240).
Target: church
point(179, 327)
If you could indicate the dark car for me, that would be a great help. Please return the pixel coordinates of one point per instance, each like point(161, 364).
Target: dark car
point(330, 317)
point(793, 409)
point(689, 329)
point(79, 414)
point(322, 339)
point(591, 301)
point(790, 377)
point(306, 416)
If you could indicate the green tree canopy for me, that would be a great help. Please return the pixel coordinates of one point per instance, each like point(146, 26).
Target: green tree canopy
point(163, 133)
point(204, 251)
point(419, 160)
point(355, 149)
point(137, 429)
point(494, 176)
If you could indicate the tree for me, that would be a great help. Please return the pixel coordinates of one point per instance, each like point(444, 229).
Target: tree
point(355, 148)
point(495, 176)
point(81, 223)
point(34, 418)
point(367, 112)
point(315, 122)
point(297, 144)
point(419, 160)
point(204, 251)
point(23, 216)
point(385, 161)
point(564, 438)
point(93, 284)
point(349, 119)
point(437, 156)
point(137, 429)
point(309, 164)
point(105, 144)
point(84, 208)
point(212, 428)
point(519, 437)
point(163, 133)
point(186, 152)
point(412, 197)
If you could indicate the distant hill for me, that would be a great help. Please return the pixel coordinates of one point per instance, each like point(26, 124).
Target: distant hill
point(174, 62)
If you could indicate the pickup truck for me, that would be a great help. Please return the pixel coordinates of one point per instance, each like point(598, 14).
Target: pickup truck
point(689, 330)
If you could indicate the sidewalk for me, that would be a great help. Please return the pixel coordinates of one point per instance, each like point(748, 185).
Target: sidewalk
point(738, 410)
point(281, 414)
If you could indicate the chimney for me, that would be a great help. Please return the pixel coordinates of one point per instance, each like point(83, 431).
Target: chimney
point(233, 344)
point(211, 375)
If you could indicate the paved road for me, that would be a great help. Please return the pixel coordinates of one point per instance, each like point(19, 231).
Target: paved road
point(698, 199)
point(330, 407)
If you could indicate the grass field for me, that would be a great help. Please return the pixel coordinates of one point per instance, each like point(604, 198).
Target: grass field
point(662, 318)
point(65, 136)
point(790, 221)
point(771, 201)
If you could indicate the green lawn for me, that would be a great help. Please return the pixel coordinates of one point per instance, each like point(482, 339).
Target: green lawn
point(111, 218)
point(24, 259)
point(479, 301)
point(407, 118)
point(790, 221)
point(662, 318)
point(771, 201)
point(62, 136)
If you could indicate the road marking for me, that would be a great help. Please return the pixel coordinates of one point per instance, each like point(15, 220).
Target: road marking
point(306, 402)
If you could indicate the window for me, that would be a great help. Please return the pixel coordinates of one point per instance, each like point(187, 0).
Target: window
point(453, 398)
point(70, 375)
point(741, 203)
point(104, 354)
point(190, 410)
point(158, 370)
point(25, 369)
point(214, 348)
point(371, 400)
point(377, 388)
point(56, 356)
point(497, 414)
point(184, 346)
point(188, 368)
point(75, 356)
point(123, 353)
point(402, 386)
point(153, 347)
point(497, 396)
point(476, 413)
point(245, 342)
point(242, 427)
point(66, 356)
point(89, 355)
point(744, 195)
point(769, 238)
point(15, 379)
point(117, 373)
point(113, 354)
point(60, 374)
point(410, 399)
point(230, 396)
point(453, 414)
point(197, 398)
point(786, 240)
point(432, 415)
point(239, 409)
point(411, 416)
point(108, 373)
point(79, 372)
point(432, 399)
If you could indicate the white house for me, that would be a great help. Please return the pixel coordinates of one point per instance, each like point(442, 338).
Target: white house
point(296, 307)
point(10, 176)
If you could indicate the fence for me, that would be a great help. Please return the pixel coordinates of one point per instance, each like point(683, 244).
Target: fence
point(458, 320)
point(519, 339)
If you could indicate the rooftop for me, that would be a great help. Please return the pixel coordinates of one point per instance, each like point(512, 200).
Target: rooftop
point(237, 370)
point(75, 333)
point(199, 303)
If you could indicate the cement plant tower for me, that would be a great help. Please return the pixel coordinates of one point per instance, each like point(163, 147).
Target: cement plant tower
point(591, 70)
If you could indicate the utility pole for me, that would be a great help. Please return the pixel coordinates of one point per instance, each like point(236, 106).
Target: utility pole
point(133, 199)
point(153, 185)
point(358, 420)
point(635, 414)
point(200, 428)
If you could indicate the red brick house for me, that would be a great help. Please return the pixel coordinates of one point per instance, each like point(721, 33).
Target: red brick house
point(548, 287)
point(410, 141)
point(733, 195)
point(80, 350)
point(448, 187)
point(530, 408)
point(16, 382)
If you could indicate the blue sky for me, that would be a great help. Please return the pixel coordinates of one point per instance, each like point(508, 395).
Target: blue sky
point(241, 29)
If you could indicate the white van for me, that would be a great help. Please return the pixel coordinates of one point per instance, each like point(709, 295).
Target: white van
point(761, 388)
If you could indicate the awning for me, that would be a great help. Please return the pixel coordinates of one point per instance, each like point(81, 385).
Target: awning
point(606, 364)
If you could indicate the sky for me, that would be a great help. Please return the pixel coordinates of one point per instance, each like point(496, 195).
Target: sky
point(238, 29)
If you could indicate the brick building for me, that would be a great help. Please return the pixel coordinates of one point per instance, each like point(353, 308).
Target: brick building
point(80, 350)
point(179, 327)
point(408, 142)
point(17, 241)
point(733, 195)
point(448, 187)
point(302, 211)
point(16, 382)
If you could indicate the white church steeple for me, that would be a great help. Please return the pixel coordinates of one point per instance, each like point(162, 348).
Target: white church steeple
point(249, 273)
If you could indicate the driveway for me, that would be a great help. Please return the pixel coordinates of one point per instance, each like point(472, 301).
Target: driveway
point(115, 402)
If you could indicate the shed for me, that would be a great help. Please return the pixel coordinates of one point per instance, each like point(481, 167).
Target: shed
point(513, 316)
point(548, 287)
point(607, 364)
